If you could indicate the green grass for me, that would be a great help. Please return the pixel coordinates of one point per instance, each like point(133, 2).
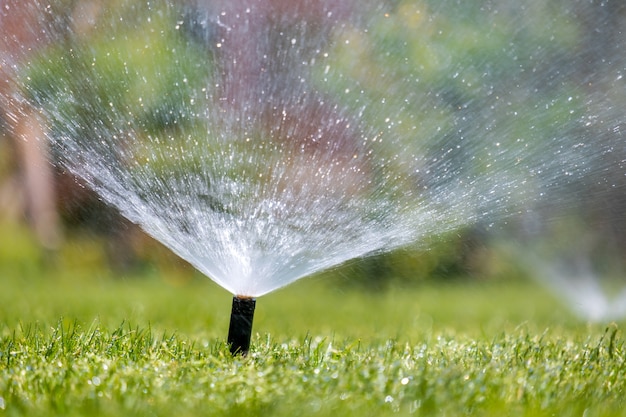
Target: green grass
point(91, 344)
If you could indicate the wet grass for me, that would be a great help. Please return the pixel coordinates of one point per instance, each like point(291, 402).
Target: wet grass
point(149, 346)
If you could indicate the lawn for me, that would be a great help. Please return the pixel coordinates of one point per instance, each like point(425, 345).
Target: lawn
point(153, 344)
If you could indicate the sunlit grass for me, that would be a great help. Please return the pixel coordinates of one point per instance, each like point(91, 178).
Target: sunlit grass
point(69, 370)
point(154, 344)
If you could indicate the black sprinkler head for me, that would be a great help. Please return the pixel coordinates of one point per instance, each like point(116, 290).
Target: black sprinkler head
point(240, 329)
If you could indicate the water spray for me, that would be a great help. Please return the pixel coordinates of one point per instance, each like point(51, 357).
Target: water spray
point(183, 150)
point(240, 329)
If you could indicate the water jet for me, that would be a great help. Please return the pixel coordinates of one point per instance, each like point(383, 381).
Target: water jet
point(264, 141)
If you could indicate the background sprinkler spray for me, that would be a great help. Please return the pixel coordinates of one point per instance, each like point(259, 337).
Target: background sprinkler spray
point(240, 329)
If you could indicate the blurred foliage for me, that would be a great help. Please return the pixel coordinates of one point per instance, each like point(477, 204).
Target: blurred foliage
point(440, 48)
point(141, 76)
point(472, 75)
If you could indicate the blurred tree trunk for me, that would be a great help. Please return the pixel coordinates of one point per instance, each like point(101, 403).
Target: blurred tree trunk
point(21, 33)
point(38, 178)
point(50, 199)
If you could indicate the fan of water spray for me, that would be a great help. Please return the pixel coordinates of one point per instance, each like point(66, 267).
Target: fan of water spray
point(265, 140)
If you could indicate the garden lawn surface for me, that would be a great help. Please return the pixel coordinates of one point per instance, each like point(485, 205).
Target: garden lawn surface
point(150, 346)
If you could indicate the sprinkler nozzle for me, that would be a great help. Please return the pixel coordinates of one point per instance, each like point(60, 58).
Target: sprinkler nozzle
point(240, 329)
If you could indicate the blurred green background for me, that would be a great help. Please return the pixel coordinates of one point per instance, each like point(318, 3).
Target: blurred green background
point(72, 236)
